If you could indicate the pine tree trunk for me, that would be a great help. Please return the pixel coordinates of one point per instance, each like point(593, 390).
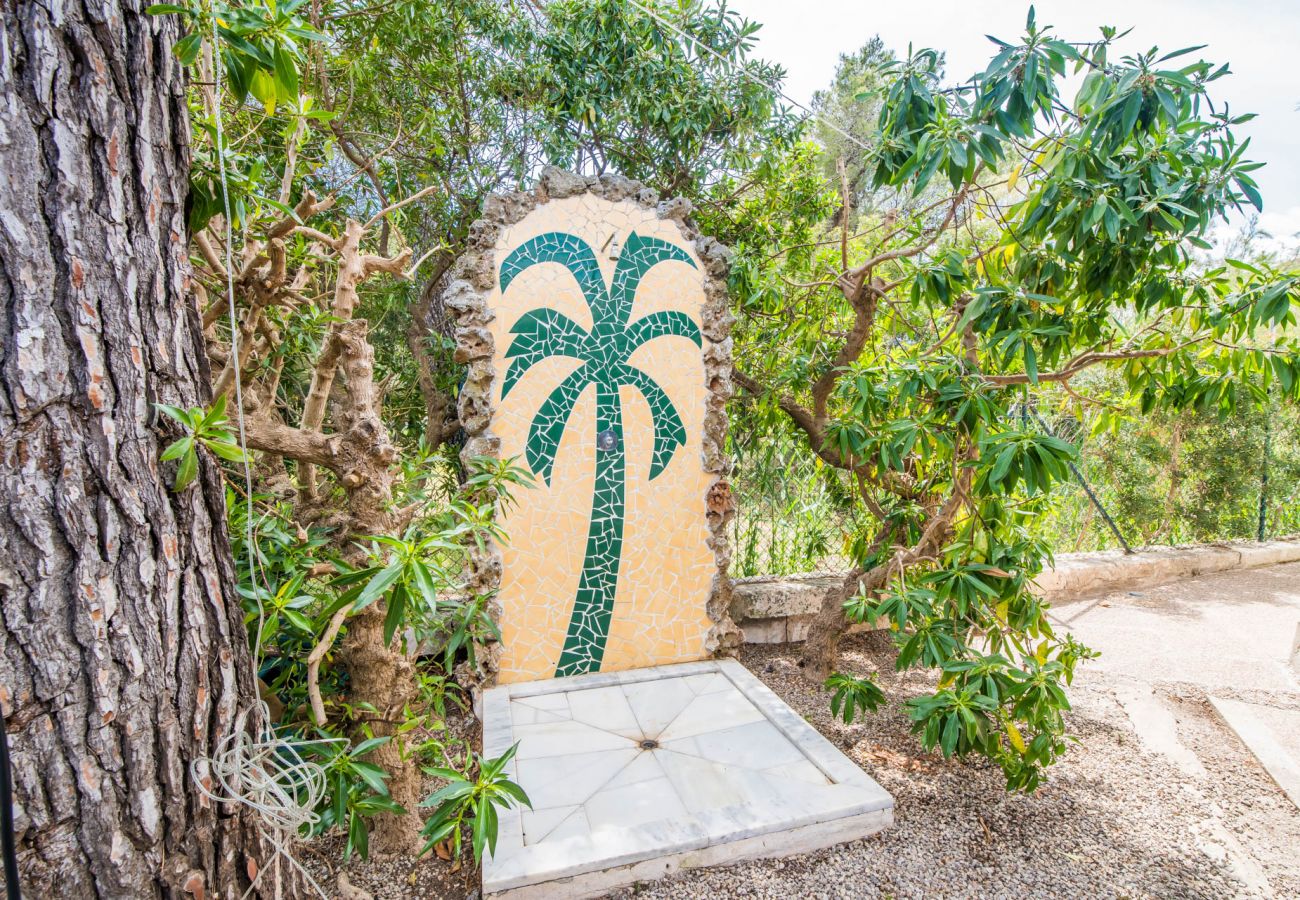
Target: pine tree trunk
point(123, 656)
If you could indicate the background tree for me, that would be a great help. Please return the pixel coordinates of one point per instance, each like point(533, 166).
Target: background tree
point(122, 651)
point(1020, 241)
point(476, 96)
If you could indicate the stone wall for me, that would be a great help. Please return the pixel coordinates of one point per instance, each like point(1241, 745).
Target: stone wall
point(777, 610)
point(602, 219)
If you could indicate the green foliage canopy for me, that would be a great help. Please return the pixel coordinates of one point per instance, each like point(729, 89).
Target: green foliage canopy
point(1009, 241)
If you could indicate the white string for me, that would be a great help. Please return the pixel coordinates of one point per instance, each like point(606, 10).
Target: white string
point(270, 777)
point(741, 70)
point(263, 773)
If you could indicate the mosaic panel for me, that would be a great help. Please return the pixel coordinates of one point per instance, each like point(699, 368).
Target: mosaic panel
point(596, 329)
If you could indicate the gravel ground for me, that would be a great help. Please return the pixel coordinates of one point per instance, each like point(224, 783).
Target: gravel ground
point(1114, 820)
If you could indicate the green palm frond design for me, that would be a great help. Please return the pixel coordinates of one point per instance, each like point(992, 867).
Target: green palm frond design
point(541, 333)
point(670, 433)
point(604, 352)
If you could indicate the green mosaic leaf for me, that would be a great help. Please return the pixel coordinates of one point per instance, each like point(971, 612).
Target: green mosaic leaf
point(670, 433)
point(659, 324)
point(548, 425)
point(568, 250)
point(639, 256)
point(542, 333)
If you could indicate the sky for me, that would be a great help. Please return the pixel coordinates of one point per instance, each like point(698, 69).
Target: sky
point(1260, 39)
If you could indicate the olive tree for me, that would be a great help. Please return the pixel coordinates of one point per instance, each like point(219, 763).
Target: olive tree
point(358, 142)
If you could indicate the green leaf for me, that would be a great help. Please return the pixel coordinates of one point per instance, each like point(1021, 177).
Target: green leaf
point(187, 49)
point(358, 837)
point(1252, 193)
point(214, 415)
point(286, 75)
point(177, 448)
point(479, 833)
point(372, 775)
point(298, 620)
point(453, 791)
point(377, 586)
point(226, 450)
point(396, 612)
point(176, 413)
point(367, 745)
point(951, 733)
point(187, 470)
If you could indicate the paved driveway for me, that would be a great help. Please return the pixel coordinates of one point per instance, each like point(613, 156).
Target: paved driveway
point(1232, 630)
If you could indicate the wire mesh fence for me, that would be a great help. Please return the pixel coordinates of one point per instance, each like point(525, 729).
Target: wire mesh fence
point(1173, 480)
point(794, 515)
point(1164, 480)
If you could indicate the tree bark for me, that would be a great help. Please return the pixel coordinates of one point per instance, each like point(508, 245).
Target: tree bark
point(123, 655)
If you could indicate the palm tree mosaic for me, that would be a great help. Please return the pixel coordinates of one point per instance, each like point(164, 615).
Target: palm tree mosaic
point(604, 351)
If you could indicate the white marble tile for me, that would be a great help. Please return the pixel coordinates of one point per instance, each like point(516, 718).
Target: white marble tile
point(656, 703)
point(799, 801)
point(802, 770)
point(570, 779)
point(572, 831)
point(546, 686)
point(711, 712)
point(539, 823)
point(523, 714)
point(666, 673)
point(634, 805)
point(757, 745)
point(557, 704)
point(709, 683)
point(701, 783)
point(643, 768)
point(563, 737)
point(498, 733)
point(605, 708)
point(825, 755)
point(736, 768)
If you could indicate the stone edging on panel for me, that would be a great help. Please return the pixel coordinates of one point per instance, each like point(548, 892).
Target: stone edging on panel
point(777, 610)
point(465, 296)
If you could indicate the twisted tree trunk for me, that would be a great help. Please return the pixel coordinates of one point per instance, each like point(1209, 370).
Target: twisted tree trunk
point(123, 656)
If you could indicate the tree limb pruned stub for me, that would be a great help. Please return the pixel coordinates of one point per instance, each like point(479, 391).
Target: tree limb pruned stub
point(339, 438)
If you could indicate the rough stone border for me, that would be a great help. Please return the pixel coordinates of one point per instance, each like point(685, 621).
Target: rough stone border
point(778, 610)
point(465, 296)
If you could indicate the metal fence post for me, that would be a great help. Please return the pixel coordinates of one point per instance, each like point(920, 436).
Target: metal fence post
point(1083, 482)
point(1263, 471)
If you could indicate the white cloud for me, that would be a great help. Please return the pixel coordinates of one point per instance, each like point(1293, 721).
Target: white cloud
point(1280, 233)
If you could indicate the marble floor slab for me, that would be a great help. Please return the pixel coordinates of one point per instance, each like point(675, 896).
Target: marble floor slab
point(637, 774)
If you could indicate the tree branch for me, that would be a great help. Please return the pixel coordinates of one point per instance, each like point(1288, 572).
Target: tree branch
point(303, 446)
point(895, 482)
point(1084, 361)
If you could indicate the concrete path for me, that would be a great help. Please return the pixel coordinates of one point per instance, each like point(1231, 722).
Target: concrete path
point(1233, 631)
point(1233, 634)
point(1226, 642)
point(1273, 736)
